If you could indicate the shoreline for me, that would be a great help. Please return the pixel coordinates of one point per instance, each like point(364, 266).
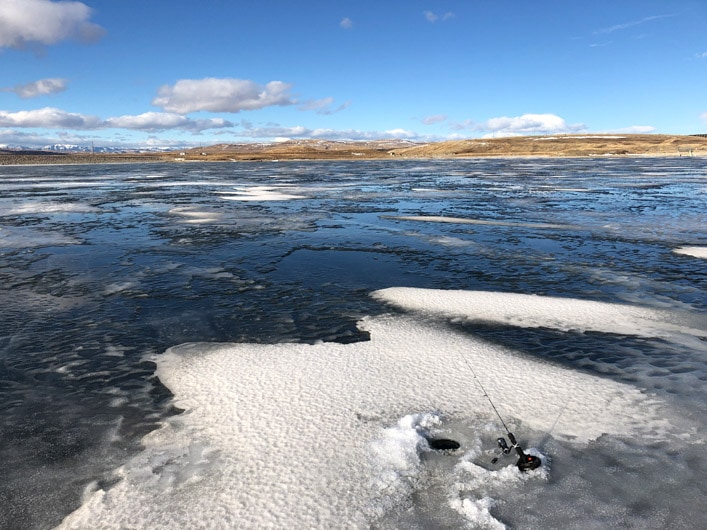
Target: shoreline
point(544, 147)
point(339, 159)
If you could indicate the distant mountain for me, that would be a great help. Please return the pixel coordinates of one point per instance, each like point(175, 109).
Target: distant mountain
point(74, 148)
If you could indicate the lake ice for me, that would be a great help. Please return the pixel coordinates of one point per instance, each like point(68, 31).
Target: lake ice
point(270, 345)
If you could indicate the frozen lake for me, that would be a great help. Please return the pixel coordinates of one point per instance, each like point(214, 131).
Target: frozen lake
point(272, 344)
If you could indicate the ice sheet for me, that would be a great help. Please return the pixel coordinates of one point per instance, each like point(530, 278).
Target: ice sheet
point(22, 237)
point(468, 221)
point(328, 435)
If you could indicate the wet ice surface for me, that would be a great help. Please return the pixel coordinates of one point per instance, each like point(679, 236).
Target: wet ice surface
point(104, 268)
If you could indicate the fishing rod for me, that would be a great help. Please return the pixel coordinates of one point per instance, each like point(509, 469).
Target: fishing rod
point(525, 462)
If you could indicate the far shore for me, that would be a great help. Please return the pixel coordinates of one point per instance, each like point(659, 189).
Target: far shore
point(546, 146)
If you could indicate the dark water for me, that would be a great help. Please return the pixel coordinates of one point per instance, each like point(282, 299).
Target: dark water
point(101, 266)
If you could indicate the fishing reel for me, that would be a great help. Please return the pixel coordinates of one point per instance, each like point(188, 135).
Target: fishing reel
point(525, 462)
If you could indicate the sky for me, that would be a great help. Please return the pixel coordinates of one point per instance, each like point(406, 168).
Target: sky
point(181, 73)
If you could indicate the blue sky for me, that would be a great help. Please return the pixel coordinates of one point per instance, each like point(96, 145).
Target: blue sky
point(186, 72)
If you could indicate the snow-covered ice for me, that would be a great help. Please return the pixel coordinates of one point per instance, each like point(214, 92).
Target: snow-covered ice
point(331, 435)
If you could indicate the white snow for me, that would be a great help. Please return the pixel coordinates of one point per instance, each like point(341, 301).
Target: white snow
point(542, 311)
point(695, 252)
point(330, 435)
point(45, 207)
point(259, 193)
point(193, 215)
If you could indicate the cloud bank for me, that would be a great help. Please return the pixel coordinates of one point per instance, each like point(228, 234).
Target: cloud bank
point(162, 121)
point(221, 95)
point(530, 124)
point(48, 117)
point(53, 118)
point(25, 22)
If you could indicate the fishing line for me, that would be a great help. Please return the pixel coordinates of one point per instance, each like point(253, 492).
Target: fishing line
point(478, 381)
point(525, 462)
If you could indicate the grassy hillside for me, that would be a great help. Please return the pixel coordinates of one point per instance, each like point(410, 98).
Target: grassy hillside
point(545, 146)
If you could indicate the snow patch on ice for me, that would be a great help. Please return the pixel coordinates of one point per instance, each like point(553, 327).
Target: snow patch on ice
point(695, 252)
point(533, 311)
point(46, 208)
point(193, 215)
point(259, 193)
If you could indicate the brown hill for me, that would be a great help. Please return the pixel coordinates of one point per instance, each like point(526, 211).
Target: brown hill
point(538, 146)
point(299, 149)
point(565, 146)
point(545, 146)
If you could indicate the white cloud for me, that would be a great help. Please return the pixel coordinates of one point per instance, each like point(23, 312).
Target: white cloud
point(703, 116)
point(52, 118)
point(24, 22)
point(221, 95)
point(529, 124)
point(437, 118)
point(48, 117)
point(43, 87)
point(434, 17)
point(317, 104)
point(13, 137)
point(632, 23)
point(346, 23)
point(400, 133)
point(323, 106)
point(702, 55)
point(161, 121)
point(633, 129)
point(461, 125)
point(277, 132)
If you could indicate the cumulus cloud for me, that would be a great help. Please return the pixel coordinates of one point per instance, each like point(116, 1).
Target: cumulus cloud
point(346, 23)
point(437, 118)
point(221, 95)
point(48, 117)
point(529, 124)
point(434, 17)
point(43, 87)
point(161, 121)
point(24, 22)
